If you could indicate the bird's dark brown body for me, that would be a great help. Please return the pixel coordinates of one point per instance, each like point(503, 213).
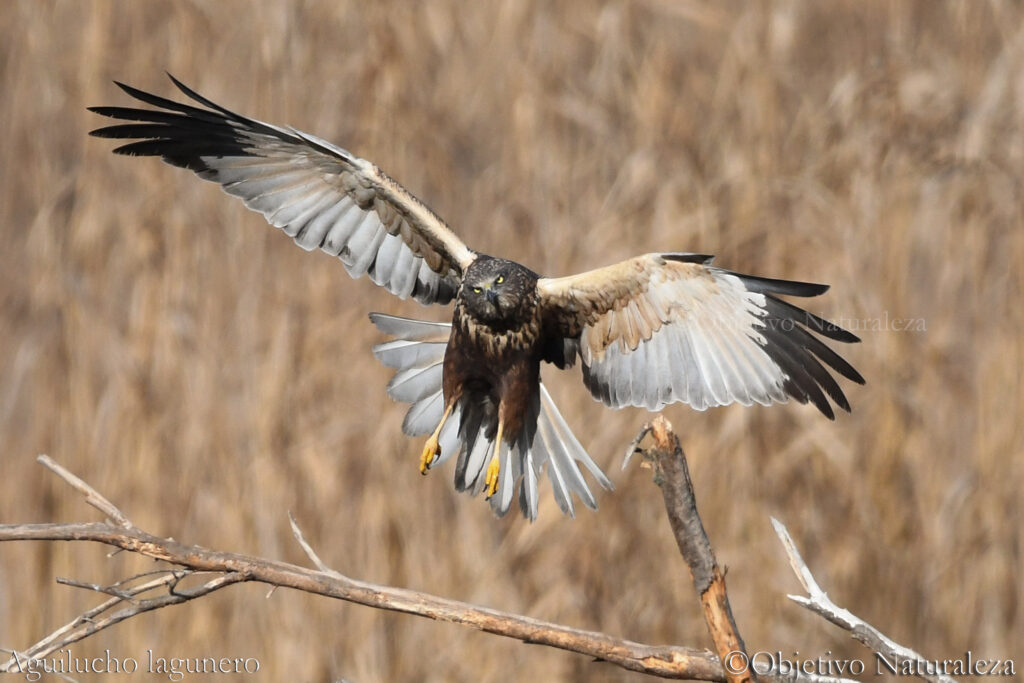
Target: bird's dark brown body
point(493, 358)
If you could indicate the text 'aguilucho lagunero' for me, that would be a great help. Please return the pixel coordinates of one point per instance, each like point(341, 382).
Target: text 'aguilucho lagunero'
point(63, 662)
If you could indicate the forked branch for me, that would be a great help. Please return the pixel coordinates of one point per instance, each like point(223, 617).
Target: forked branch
point(818, 602)
point(127, 599)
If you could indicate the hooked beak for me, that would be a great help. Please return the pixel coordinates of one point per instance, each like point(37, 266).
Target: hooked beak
point(492, 297)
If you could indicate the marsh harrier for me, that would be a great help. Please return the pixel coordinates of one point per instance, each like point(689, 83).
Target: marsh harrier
point(649, 331)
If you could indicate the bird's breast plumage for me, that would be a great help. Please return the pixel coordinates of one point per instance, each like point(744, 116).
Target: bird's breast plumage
point(498, 344)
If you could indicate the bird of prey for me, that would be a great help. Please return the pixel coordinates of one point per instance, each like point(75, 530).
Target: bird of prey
point(649, 331)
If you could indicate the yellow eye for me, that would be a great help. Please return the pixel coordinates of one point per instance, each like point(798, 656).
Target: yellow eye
point(501, 278)
point(476, 290)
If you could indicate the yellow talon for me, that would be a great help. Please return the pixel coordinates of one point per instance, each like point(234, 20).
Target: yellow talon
point(431, 450)
point(491, 481)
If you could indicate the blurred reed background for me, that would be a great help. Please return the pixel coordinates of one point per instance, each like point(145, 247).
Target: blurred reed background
point(206, 375)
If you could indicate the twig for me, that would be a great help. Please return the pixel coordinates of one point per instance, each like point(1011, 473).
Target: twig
point(89, 623)
point(41, 648)
point(818, 602)
point(634, 445)
point(92, 496)
point(109, 590)
point(672, 475)
point(306, 548)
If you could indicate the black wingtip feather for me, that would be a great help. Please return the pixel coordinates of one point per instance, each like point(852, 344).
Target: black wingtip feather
point(192, 94)
point(153, 131)
point(148, 98)
point(789, 340)
point(804, 372)
point(767, 285)
point(686, 257)
point(187, 90)
point(828, 356)
point(179, 133)
point(787, 311)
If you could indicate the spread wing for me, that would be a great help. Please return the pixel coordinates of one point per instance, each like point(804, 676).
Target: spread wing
point(318, 193)
point(662, 328)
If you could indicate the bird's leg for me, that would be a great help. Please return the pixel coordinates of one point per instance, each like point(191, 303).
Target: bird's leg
point(432, 449)
point(494, 468)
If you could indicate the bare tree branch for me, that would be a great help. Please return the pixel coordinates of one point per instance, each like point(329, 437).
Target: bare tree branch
point(666, 661)
point(672, 476)
point(818, 602)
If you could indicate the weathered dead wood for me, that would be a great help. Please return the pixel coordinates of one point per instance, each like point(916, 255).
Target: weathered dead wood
point(818, 602)
point(672, 476)
point(666, 661)
point(231, 568)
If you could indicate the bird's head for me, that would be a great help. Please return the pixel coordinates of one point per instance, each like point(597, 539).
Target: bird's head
point(496, 291)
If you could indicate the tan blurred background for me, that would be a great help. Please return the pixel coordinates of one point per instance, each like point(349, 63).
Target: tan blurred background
point(206, 375)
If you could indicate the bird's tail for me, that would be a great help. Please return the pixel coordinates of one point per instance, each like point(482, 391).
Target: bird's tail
point(417, 353)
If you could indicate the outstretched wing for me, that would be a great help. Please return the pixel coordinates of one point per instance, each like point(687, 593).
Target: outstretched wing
point(662, 328)
point(318, 193)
